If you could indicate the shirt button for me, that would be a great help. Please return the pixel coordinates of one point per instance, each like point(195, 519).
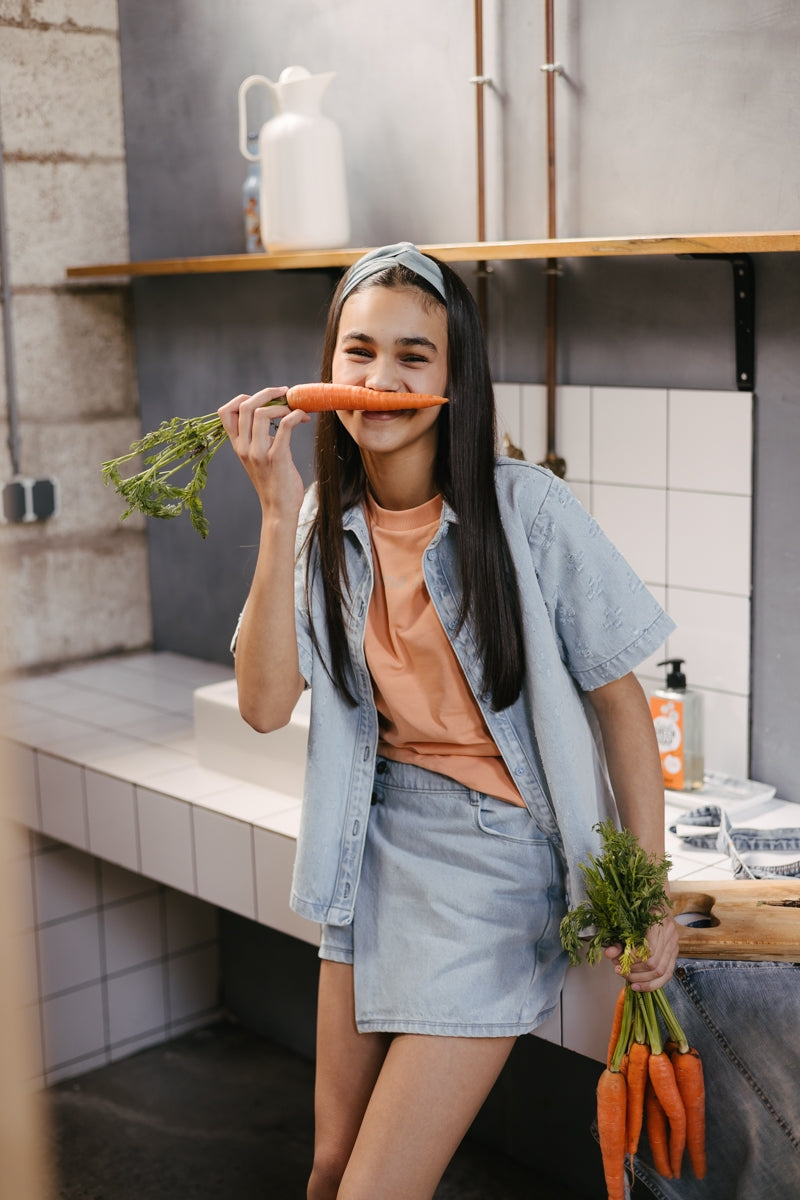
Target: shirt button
point(519, 770)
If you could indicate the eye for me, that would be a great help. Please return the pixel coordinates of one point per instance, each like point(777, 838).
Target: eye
point(357, 352)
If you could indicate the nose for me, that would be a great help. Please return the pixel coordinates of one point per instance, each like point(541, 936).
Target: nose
point(381, 376)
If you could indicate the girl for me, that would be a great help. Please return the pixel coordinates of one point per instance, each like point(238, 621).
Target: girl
point(469, 636)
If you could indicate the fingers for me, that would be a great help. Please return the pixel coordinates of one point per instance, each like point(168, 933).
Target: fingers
point(248, 423)
point(663, 942)
point(658, 969)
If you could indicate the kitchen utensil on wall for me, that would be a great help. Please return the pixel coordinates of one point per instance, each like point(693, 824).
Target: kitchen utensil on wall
point(303, 185)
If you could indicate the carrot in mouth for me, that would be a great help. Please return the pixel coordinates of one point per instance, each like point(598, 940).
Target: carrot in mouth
point(334, 397)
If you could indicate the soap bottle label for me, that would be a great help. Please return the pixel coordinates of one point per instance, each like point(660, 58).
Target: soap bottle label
point(667, 717)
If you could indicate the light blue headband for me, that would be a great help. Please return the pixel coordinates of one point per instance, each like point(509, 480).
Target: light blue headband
point(388, 256)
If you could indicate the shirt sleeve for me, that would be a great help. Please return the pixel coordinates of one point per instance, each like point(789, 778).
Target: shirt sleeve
point(604, 618)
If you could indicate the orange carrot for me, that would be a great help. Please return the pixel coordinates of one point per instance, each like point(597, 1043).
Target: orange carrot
point(611, 1106)
point(334, 397)
point(638, 1056)
point(689, 1078)
point(616, 1024)
point(657, 1131)
point(662, 1075)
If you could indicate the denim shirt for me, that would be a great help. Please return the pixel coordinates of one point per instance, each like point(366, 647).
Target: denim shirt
point(587, 620)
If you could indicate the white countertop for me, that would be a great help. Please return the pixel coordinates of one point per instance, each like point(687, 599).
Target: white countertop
point(104, 758)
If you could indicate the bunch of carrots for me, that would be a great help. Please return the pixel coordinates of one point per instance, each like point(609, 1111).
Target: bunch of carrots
point(160, 490)
point(650, 1081)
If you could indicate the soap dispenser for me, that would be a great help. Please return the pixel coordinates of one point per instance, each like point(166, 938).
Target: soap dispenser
point(678, 718)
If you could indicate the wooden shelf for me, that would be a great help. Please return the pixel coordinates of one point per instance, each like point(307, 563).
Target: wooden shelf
point(710, 243)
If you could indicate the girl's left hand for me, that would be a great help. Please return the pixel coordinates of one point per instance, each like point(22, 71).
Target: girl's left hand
point(663, 942)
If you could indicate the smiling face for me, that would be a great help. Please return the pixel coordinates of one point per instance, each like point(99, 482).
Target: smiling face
point(393, 340)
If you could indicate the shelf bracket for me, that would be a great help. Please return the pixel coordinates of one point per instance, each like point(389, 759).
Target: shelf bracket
point(744, 307)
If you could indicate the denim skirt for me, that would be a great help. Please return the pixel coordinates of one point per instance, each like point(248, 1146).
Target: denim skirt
point(457, 912)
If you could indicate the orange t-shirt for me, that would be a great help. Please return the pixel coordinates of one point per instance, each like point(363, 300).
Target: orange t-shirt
point(427, 713)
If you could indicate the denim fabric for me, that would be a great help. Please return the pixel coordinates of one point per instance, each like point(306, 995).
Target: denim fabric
point(587, 620)
point(744, 846)
point(743, 1018)
point(456, 922)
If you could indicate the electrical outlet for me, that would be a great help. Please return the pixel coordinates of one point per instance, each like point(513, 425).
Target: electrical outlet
point(27, 500)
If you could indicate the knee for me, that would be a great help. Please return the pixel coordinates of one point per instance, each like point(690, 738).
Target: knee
point(326, 1175)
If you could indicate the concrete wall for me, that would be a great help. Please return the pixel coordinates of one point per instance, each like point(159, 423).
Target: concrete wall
point(76, 585)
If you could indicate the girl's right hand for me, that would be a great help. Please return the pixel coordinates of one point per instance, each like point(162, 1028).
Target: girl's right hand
point(265, 451)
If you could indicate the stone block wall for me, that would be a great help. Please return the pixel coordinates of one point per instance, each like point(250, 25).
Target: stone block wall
point(76, 585)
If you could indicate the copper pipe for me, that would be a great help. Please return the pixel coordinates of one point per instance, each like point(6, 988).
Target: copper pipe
point(553, 461)
point(479, 81)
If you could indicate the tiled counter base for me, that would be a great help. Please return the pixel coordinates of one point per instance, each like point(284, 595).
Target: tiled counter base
point(134, 843)
point(126, 848)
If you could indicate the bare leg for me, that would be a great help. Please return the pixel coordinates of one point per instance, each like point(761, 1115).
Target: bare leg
point(426, 1096)
point(348, 1063)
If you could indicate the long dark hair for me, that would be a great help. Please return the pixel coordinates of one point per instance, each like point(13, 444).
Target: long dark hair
point(464, 471)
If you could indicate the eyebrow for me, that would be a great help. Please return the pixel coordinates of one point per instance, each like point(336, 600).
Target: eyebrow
point(415, 340)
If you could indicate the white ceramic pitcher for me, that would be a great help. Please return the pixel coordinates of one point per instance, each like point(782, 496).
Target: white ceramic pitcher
point(303, 186)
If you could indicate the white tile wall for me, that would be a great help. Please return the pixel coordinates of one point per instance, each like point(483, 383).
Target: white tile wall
point(533, 422)
point(574, 430)
point(710, 441)
point(119, 960)
point(629, 436)
point(668, 475)
point(62, 800)
point(165, 838)
point(65, 883)
point(274, 857)
point(708, 542)
point(111, 813)
point(116, 961)
point(193, 983)
point(224, 849)
point(22, 793)
point(132, 932)
point(136, 1003)
point(713, 635)
point(635, 518)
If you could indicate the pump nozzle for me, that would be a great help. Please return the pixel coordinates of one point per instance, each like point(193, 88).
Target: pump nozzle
point(675, 677)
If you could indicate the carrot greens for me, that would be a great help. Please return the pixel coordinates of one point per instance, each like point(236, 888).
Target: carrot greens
point(181, 444)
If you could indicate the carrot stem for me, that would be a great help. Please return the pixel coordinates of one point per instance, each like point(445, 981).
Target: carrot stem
point(648, 1012)
point(670, 1020)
